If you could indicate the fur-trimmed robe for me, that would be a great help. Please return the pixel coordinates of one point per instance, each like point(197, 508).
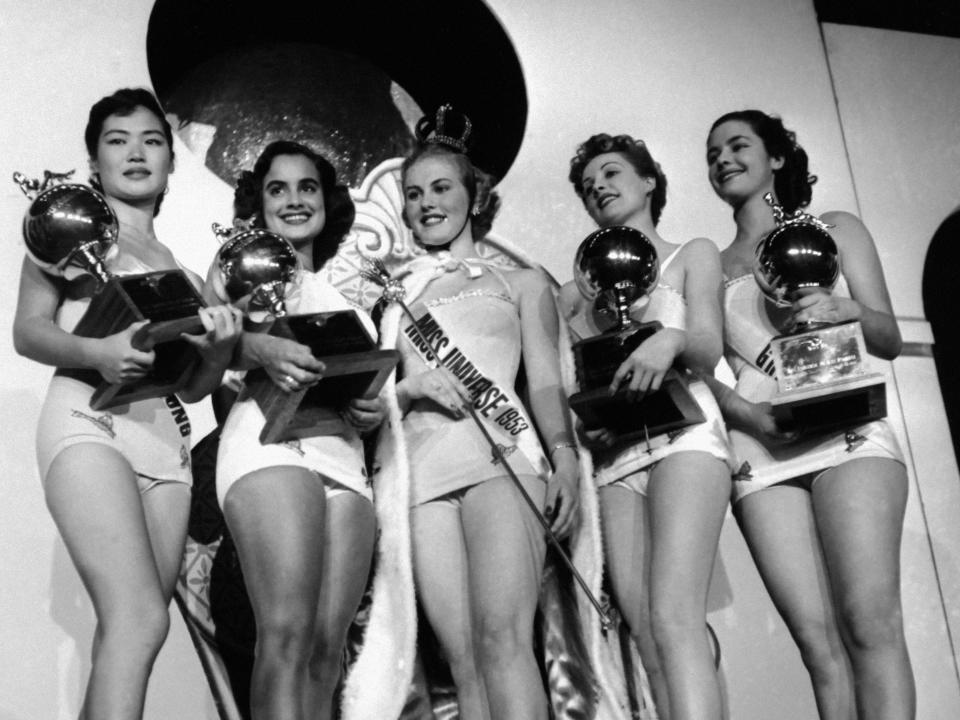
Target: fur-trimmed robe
point(379, 681)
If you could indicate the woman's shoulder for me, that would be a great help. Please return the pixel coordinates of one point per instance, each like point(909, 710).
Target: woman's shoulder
point(847, 230)
point(700, 255)
point(527, 279)
point(569, 299)
point(700, 248)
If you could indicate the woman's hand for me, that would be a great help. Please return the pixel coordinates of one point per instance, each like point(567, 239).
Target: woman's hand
point(594, 440)
point(289, 364)
point(223, 325)
point(115, 358)
point(438, 386)
point(562, 504)
point(759, 421)
point(819, 306)
point(646, 366)
point(365, 414)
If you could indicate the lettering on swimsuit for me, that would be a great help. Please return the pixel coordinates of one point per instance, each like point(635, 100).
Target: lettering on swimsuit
point(744, 474)
point(504, 451)
point(104, 422)
point(486, 397)
point(179, 414)
point(765, 361)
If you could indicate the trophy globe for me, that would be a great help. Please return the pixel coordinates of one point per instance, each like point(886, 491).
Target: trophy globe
point(69, 229)
point(797, 256)
point(260, 264)
point(614, 267)
point(821, 369)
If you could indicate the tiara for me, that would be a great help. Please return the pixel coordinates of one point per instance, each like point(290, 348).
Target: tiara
point(448, 127)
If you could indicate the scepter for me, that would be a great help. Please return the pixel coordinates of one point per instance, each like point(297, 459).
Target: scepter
point(394, 292)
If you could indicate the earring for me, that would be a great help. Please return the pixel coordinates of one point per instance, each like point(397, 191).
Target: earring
point(475, 210)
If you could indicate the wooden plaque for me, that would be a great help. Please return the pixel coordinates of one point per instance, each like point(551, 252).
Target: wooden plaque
point(170, 301)
point(355, 368)
point(597, 358)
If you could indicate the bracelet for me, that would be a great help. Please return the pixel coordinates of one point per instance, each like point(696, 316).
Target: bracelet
point(561, 445)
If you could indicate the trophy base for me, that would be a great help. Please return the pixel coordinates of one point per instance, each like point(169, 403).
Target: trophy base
point(838, 405)
point(598, 358)
point(169, 300)
point(670, 408)
point(354, 369)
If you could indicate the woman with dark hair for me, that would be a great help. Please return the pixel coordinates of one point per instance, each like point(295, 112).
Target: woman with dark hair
point(478, 551)
point(663, 499)
point(117, 482)
point(822, 514)
point(299, 511)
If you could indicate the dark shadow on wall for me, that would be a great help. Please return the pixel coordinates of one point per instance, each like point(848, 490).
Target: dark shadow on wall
point(941, 305)
point(324, 71)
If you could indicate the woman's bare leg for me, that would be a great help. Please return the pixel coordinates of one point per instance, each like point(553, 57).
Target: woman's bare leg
point(347, 553)
point(779, 527)
point(859, 507)
point(505, 556)
point(277, 519)
point(687, 499)
point(94, 499)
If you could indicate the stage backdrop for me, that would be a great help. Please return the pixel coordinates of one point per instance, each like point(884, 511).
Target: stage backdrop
point(657, 69)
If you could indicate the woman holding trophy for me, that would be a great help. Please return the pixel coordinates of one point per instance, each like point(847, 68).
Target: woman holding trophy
point(299, 511)
point(478, 550)
point(662, 498)
point(822, 513)
point(118, 482)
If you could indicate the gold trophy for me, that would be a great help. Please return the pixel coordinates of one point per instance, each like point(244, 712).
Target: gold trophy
point(822, 372)
point(70, 230)
point(614, 267)
point(258, 265)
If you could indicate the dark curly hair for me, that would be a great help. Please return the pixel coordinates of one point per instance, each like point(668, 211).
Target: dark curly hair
point(792, 183)
point(484, 200)
point(338, 207)
point(636, 153)
point(123, 102)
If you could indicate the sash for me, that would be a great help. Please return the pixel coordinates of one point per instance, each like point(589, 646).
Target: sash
point(498, 407)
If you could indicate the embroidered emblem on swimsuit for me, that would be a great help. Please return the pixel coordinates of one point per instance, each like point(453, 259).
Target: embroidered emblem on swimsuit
point(854, 440)
point(504, 451)
point(184, 457)
point(674, 434)
point(104, 422)
point(295, 446)
point(743, 473)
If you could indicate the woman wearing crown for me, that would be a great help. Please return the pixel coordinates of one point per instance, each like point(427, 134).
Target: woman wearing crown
point(477, 549)
point(823, 514)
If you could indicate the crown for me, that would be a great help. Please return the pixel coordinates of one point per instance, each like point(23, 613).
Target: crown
point(448, 127)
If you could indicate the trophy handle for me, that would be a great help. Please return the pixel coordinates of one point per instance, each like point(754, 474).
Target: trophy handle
point(623, 306)
point(91, 261)
point(270, 297)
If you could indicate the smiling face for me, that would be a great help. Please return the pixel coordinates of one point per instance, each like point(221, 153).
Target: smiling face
point(738, 163)
point(293, 199)
point(436, 202)
point(613, 190)
point(133, 158)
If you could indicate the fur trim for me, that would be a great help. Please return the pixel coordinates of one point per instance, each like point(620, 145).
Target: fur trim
point(379, 682)
point(588, 557)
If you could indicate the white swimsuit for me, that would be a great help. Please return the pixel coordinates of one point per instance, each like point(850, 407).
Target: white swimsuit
point(152, 434)
point(748, 331)
point(630, 467)
point(337, 460)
